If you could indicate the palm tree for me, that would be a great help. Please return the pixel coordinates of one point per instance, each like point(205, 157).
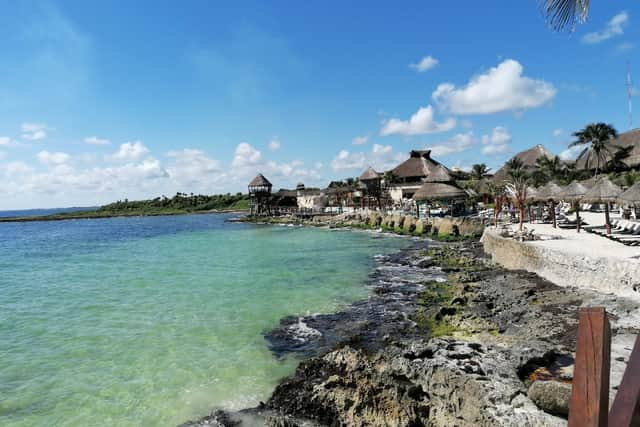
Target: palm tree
point(598, 137)
point(516, 190)
point(479, 171)
point(617, 161)
point(564, 14)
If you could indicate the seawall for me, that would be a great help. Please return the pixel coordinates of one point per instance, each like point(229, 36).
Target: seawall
point(602, 273)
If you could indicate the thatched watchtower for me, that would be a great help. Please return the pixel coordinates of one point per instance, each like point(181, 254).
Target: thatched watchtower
point(260, 195)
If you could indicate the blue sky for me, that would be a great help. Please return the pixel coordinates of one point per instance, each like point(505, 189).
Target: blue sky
point(109, 100)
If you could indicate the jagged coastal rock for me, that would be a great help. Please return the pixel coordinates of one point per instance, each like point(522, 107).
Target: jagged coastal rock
point(446, 339)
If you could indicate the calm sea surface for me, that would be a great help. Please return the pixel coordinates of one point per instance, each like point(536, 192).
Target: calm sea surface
point(152, 321)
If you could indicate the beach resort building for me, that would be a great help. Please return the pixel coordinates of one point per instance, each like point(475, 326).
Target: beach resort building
point(409, 175)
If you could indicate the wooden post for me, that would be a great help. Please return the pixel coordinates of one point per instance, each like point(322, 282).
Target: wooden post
point(625, 411)
point(578, 220)
point(590, 391)
point(553, 214)
point(607, 220)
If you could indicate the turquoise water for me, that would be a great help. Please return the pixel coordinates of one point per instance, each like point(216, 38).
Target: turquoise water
point(153, 321)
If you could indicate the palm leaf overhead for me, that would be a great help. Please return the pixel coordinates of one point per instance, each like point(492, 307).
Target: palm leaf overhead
point(564, 14)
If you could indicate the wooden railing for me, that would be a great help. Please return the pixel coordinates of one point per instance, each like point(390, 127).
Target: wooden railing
point(589, 404)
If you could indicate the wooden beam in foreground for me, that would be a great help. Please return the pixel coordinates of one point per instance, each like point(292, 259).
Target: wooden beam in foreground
point(589, 402)
point(625, 411)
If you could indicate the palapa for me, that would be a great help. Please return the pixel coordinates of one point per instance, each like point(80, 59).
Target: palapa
point(439, 191)
point(573, 192)
point(603, 191)
point(370, 175)
point(631, 195)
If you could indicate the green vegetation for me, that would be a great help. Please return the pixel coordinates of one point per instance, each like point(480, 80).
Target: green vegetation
point(181, 203)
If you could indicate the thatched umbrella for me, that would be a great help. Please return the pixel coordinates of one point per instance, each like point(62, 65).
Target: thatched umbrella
point(549, 194)
point(430, 191)
point(574, 193)
point(531, 197)
point(604, 191)
point(631, 196)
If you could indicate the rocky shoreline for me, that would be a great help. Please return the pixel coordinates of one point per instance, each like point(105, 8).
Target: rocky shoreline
point(446, 339)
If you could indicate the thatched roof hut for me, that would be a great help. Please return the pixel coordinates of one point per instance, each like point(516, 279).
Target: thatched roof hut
point(439, 191)
point(573, 192)
point(439, 174)
point(549, 191)
point(631, 195)
point(260, 181)
point(528, 159)
point(417, 167)
point(630, 140)
point(603, 191)
point(370, 175)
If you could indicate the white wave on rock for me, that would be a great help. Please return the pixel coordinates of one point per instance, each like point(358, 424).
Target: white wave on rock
point(303, 332)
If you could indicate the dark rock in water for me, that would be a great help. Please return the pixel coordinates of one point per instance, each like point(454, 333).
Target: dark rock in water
point(216, 419)
point(365, 324)
point(551, 396)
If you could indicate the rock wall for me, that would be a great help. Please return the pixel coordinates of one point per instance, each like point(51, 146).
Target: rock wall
point(604, 274)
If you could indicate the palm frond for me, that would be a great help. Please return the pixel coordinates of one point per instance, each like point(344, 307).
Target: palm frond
point(564, 14)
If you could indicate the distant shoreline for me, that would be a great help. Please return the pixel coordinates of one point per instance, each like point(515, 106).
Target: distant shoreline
point(99, 215)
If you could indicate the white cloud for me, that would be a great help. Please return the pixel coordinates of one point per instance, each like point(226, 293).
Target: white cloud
point(274, 144)
point(496, 142)
point(248, 161)
point(426, 63)
point(502, 88)
point(5, 141)
point(558, 132)
point(2, 155)
point(381, 157)
point(571, 153)
point(53, 159)
point(190, 166)
point(420, 123)
point(94, 140)
point(130, 152)
point(615, 27)
point(12, 169)
point(456, 144)
point(360, 140)
point(246, 155)
point(34, 131)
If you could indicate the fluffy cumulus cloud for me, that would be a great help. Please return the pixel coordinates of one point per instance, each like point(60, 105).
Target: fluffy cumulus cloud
point(425, 64)
point(34, 131)
point(191, 166)
point(502, 88)
point(381, 158)
point(456, 144)
point(615, 27)
point(558, 132)
point(248, 161)
point(130, 152)
point(360, 140)
point(497, 142)
point(94, 140)
point(420, 123)
point(50, 159)
point(274, 144)
point(246, 155)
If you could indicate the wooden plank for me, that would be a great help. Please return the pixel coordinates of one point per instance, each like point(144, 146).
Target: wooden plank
point(589, 402)
point(625, 411)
